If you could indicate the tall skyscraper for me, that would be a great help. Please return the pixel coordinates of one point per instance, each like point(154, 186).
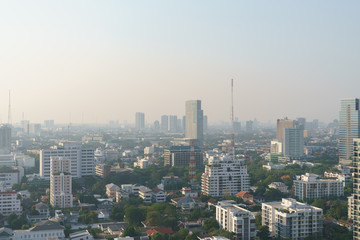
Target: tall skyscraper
point(281, 125)
point(173, 123)
point(348, 128)
point(139, 121)
point(5, 138)
point(164, 123)
point(205, 123)
point(194, 120)
point(60, 182)
point(293, 143)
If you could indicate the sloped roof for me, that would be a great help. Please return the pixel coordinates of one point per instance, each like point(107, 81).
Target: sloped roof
point(165, 230)
point(46, 225)
point(41, 206)
point(243, 194)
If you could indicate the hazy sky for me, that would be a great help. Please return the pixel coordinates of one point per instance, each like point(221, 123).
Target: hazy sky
point(106, 60)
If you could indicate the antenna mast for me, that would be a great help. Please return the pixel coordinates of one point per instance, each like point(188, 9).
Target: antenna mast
point(232, 118)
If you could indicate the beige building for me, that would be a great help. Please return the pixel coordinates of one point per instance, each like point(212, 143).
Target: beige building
point(60, 183)
point(111, 190)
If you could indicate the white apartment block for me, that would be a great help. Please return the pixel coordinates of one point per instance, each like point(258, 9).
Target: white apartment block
point(9, 204)
point(224, 176)
point(158, 195)
point(292, 219)
point(60, 183)
point(235, 219)
point(10, 177)
point(82, 160)
point(309, 186)
point(111, 190)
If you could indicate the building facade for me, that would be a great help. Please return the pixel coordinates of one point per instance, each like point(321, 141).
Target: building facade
point(224, 176)
point(356, 189)
point(290, 219)
point(194, 120)
point(235, 219)
point(139, 121)
point(180, 156)
point(349, 120)
point(9, 203)
point(82, 159)
point(310, 186)
point(60, 183)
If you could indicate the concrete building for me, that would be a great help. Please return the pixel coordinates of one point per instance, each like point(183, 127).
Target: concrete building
point(194, 120)
point(164, 127)
point(60, 183)
point(281, 125)
point(356, 189)
point(82, 159)
point(235, 219)
point(24, 161)
point(249, 126)
point(173, 126)
point(276, 147)
point(145, 194)
point(349, 128)
point(291, 219)
point(224, 176)
point(293, 143)
point(310, 186)
point(158, 195)
point(351, 207)
point(102, 170)
point(5, 138)
point(279, 186)
point(180, 156)
point(9, 203)
point(111, 190)
point(9, 177)
point(81, 235)
point(42, 231)
point(139, 121)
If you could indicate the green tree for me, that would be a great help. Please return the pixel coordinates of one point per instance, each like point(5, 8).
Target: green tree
point(129, 231)
point(134, 215)
point(263, 233)
point(158, 236)
point(210, 224)
point(196, 214)
point(117, 213)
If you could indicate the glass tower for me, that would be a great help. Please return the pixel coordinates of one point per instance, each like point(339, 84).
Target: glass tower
point(348, 128)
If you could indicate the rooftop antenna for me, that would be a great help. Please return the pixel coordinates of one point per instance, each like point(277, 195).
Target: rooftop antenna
point(232, 118)
point(9, 110)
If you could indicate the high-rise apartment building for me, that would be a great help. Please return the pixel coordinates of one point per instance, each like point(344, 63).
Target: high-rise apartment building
point(356, 189)
point(249, 126)
point(5, 138)
point(290, 219)
point(180, 156)
point(293, 143)
point(235, 219)
point(224, 176)
point(349, 128)
point(139, 121)
point(310, 186)
point(194, 120)
point(60, 182)
point(205, 123)
point(82, 159)
point(164, 123)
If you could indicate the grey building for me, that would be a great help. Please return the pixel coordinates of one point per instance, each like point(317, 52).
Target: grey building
point(180, 156)
point(139, 121)
point(194, 120)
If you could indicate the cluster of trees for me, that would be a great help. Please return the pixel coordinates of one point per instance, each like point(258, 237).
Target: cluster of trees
point(88, 217)
point(337, 209)
point(16, 222)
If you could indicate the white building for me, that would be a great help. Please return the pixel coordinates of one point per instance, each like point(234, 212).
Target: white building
point(60, 183)
point(158, 195)
point(9, 177)
point(111, 190)
point(345, 178)
point(24, 160)
point(309, 186)
point(82, 235)
point(82, 159)
point(235, 219)
point(224, 176)
point(41, 231)
point(9, 203)
point(142, 163)
point(276, 147)
point(279, 186)
point(292, 219)
point(293, 144)
point(145, 194)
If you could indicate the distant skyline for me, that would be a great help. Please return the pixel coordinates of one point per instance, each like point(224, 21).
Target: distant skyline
point(96, 61)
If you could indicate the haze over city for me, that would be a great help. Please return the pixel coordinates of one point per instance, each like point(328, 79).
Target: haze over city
point(95, 61)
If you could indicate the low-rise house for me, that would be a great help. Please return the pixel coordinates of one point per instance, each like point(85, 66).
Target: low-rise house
point(186, 204)
point(158, 195)
point(43, 209)
point(279, 186)
point(111, 190)
point(186, 191)
point(6, 233)
point(82, 235)
point(41, 231)
point(246, 196)
point(166, 231)
point(121, 195)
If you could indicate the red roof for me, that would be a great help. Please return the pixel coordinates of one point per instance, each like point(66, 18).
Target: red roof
point(165, 230)
point(243, 194)
point(285, 176)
